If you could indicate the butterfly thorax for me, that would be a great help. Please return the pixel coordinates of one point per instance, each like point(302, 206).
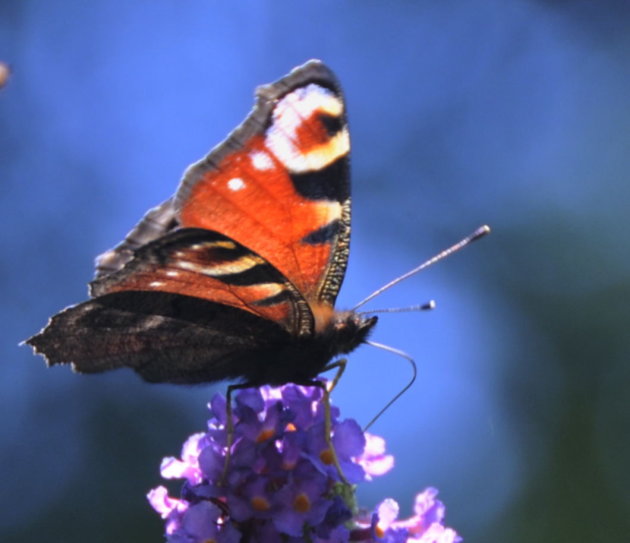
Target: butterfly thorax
point(303, 358)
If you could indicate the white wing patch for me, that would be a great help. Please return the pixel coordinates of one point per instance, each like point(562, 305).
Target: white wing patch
point(236, 183)
point(261, 161)
point(290, 113)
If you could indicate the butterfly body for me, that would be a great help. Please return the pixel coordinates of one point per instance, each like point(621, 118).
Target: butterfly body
point(236, 275)
point(166, 337)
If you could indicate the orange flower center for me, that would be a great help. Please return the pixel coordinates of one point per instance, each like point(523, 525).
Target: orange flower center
point(259, 503)
point(326, 456)
point(301, 503)
point(264, 435)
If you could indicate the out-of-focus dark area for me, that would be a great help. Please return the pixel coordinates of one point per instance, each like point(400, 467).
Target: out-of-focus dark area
point(514, 114)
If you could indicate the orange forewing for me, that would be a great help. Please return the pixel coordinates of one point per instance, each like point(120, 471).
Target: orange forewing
point(191, 284)
point(188, 271)
point(265, 213)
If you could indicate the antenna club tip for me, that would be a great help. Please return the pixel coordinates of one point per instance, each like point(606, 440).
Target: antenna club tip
point(429, 305)
point(480, 232)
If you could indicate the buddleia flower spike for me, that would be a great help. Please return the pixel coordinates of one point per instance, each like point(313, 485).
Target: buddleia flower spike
point(281, 484)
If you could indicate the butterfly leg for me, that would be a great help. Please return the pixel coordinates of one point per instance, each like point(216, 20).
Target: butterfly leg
point(229, 428)
point(341, 367)
point(334, 459)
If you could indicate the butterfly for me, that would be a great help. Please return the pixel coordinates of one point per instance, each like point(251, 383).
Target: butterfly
point(236, 275)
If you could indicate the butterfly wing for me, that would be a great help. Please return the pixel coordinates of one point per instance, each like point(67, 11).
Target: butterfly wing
point(238, 270)
point(162, 336)
point(155, 223)
point(279, 184)
point(191, 306)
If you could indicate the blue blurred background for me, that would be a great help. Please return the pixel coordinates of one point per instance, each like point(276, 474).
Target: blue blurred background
point(514, 114)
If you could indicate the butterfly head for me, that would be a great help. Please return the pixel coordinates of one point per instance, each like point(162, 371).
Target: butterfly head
point(347, 330)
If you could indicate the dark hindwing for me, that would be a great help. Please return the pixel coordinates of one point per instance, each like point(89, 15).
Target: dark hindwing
point(164, 337)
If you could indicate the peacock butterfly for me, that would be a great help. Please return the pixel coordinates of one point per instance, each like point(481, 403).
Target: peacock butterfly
point(236, 275)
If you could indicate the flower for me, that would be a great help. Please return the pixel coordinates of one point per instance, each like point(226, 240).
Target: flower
point(281, 482)
point(425, 526)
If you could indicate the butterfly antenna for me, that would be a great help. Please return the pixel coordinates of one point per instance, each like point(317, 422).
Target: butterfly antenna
point(477, 234)
point(421, 307)
point(403, 390)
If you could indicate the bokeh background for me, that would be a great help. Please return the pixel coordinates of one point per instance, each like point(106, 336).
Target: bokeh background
point(511, 113)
